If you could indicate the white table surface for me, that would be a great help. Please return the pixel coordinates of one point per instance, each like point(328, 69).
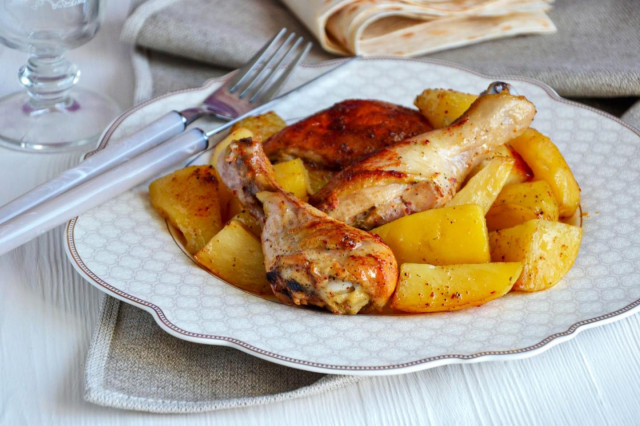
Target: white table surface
point(48, 312)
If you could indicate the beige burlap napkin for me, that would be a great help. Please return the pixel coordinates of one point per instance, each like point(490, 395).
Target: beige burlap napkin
point(132, 363)
point(135, 365)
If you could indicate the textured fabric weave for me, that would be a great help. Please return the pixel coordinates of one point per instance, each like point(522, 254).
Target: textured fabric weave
point(135, 365)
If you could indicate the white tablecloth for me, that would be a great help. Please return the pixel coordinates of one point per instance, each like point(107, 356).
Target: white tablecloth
point(47, 313)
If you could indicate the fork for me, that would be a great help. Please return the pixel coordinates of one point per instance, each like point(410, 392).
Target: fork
point(252, 85)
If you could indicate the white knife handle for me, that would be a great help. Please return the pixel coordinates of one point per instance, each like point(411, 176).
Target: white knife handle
point(160, 130)
point(96, 191)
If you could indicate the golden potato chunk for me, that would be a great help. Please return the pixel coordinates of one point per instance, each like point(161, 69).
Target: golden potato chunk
point(547, 250)
point(521, 202)
point(249, 221)
point(442, 106)
point(293, 177)
point(188, 198)
point(443, 236)
point(318, 178)
point(520, 172)
point(429, 288)
point(548, 164)
point(263, 126)
point(235, 255)
point(234, 206)
point(483, 188)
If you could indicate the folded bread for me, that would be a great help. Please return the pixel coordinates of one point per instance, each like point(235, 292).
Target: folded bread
point(417, 27)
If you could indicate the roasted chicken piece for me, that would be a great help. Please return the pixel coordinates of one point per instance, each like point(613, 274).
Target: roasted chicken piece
point(316, 260)
point(245, 170)
point(310, 258)
point(425, 171)
point(346, 133)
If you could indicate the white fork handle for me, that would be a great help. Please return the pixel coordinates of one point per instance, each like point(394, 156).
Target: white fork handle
point(166, 127)
point(96, 191)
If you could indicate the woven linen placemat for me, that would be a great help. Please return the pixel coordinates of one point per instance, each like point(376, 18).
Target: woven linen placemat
point(132, 363)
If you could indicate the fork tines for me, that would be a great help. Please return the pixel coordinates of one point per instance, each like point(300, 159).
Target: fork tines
point(263, 76)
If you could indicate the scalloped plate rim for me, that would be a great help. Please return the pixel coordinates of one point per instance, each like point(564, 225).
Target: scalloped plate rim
point(401, 368)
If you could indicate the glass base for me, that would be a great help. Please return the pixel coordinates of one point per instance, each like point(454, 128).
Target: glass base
point(57, 128)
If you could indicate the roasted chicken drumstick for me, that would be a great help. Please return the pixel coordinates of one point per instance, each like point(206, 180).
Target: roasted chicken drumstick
point(310, 258)
point(425, 171)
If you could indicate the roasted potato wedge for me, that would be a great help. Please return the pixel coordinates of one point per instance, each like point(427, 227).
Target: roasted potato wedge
point(234, 207)
point(249, 221)
point(318, 178)
point(548, 164)
point(263, 126)
point(444, 236)
point(483, 188)
point(235, 255)
point(188, 198)
point(428, 288)
point(443, 106)
point(521, 202)
point(547, 250)
point(293, 177)
point(520, 172)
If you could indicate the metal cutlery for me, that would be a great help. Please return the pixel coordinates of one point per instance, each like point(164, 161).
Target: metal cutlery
point(252, 85)
point(121, 178)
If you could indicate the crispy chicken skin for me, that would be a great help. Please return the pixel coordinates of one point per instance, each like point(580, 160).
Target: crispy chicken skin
point(346, 133)
point(425, 171)
point(310, 258)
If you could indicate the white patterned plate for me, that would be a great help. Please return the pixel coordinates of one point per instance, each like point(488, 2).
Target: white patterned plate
point(124, 249)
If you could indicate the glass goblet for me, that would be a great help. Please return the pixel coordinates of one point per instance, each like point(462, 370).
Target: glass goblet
point(52, 114)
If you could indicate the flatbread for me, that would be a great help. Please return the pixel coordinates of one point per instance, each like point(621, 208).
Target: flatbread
point(417, 27)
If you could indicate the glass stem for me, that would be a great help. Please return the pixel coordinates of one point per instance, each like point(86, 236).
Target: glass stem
point(48, 79)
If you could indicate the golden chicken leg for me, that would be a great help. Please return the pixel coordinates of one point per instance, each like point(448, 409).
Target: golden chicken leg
point(424, 171)
point(310, 258)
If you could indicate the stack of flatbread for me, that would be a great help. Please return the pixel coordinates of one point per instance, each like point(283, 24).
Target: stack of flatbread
point(416, 27)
